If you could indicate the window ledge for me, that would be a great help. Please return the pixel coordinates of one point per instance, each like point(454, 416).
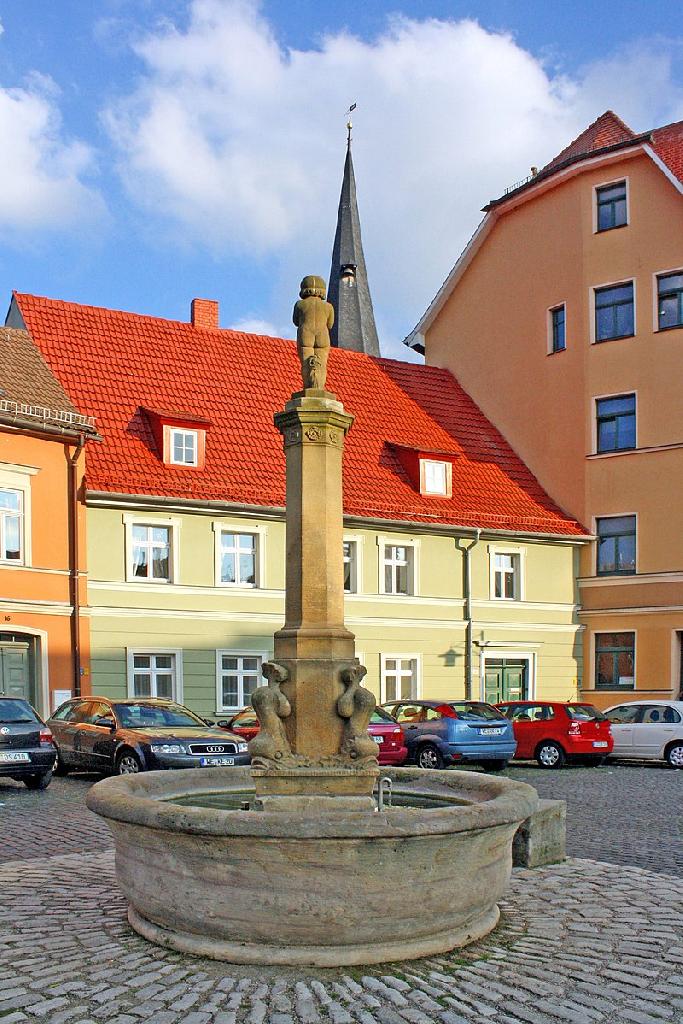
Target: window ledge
point(614, 337)
point(615, 227)
point(635, 451)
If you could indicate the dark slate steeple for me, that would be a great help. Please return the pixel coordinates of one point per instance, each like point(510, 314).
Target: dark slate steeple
point(348, 290)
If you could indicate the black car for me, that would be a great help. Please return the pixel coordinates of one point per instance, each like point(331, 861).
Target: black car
point(138, 734)
point(27, 752)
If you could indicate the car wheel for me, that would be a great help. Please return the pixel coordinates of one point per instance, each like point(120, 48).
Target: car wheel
point(41, 781)
point(498, 765)
point(128, 763)
point(674, 755)
point(60, 768)
point(429, 757)
point(550, 755)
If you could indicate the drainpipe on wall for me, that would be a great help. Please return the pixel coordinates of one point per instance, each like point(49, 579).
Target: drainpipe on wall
point(74, 596)
point(466, 549)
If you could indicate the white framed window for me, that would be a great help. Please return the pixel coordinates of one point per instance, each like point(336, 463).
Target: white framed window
point(239, 556)
point(11, 525)
point(155, 673)
point(399, 677)
point(506, 573)
point(435, 477)
point(15, 513)
point(350, 566)
point(183, 445)
point(238, 673)
point(397, 567)
point(611, 205)
point(556, 320)
point(151, 549)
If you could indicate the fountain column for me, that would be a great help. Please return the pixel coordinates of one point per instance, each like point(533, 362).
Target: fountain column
point(313, 744)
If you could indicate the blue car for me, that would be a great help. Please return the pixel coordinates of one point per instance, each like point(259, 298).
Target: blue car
point(440, 733)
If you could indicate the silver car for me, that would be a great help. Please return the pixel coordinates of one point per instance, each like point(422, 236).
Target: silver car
point(648, 729)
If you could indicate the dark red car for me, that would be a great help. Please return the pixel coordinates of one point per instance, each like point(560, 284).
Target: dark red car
point(391, 744)
point(554, 732)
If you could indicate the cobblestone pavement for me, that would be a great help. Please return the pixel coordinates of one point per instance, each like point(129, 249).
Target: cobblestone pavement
point(579, 943)
point(624, 814)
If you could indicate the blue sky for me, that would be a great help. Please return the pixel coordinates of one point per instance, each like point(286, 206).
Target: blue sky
point(157, 151)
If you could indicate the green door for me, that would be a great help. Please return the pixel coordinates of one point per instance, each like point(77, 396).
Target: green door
point(15, 671)
point(505, 679)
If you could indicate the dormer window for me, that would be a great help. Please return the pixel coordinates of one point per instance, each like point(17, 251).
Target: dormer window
point(180, 437)
point(183, 445)
point(435, 477)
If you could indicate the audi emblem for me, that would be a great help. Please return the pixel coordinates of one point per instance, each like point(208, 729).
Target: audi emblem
point(215, 750)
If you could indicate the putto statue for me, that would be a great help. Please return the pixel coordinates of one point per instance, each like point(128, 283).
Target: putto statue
point(313, 317)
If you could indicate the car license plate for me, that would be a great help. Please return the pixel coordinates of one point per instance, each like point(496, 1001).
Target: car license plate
point(14, 757)
point(600, 743)
point(207, 762)
point(378, 739)
point(491, 732)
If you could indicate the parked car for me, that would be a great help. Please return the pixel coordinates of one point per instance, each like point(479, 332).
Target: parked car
point(554, 732)
point(139, 734)
point(648, 729)
point(441, 732)
point(383, 728)
point(27, 753)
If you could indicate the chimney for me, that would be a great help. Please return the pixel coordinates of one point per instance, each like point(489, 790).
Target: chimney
point(204, 314)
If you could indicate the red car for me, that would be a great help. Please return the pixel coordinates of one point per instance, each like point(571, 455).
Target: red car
point(553, 732)
point(391, 744)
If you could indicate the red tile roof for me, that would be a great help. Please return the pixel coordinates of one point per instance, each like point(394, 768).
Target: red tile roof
point(114, 364)
point(668, 144)
point(607, 130)
point(604, 134)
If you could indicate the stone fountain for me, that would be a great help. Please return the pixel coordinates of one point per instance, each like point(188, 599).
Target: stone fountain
point(292, 861)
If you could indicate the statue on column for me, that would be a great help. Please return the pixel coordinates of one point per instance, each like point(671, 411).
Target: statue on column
point(313, 317)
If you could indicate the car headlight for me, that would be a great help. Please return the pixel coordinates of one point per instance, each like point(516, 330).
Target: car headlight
point(242, 748)
point(167, 748)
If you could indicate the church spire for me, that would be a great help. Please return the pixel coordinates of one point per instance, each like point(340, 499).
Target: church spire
point(348, 290)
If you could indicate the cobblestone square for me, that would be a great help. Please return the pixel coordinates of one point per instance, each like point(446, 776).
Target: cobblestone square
point(597, 939)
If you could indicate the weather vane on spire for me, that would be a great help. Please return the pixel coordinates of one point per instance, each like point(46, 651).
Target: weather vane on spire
point(349, 124)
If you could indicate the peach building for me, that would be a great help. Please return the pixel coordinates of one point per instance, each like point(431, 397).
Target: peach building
point(44, 634)
point(563, 319)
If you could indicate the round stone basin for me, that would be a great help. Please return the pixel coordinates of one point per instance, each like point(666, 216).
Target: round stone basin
point(327, 890)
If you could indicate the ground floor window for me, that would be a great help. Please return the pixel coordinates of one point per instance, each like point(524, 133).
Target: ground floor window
point(238, 676)
point(154, 675)
point(615, 658)
point(399, 677)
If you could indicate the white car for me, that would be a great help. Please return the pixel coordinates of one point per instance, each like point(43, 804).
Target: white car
point(651, 729)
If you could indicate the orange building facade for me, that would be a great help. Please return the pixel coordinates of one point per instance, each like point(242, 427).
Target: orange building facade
point(563, 319)
point(44, 627)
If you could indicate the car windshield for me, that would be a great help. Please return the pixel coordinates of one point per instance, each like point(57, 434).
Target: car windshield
point(475, 709)
point(144, 716)
point(585, 713)
point(381, 717)
point(12, 711)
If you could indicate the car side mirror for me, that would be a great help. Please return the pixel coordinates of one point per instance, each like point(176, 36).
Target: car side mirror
point(106, 722)
point(223, 723)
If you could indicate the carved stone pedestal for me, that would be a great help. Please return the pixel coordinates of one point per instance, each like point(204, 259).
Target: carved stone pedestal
point(313, 744)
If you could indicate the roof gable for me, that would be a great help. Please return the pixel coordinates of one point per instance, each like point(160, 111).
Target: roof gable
point(115, 365)
point(606, 130)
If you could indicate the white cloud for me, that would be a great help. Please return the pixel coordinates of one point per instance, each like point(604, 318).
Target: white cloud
point(41, 172)
point(239, 142)
point(266, 327)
